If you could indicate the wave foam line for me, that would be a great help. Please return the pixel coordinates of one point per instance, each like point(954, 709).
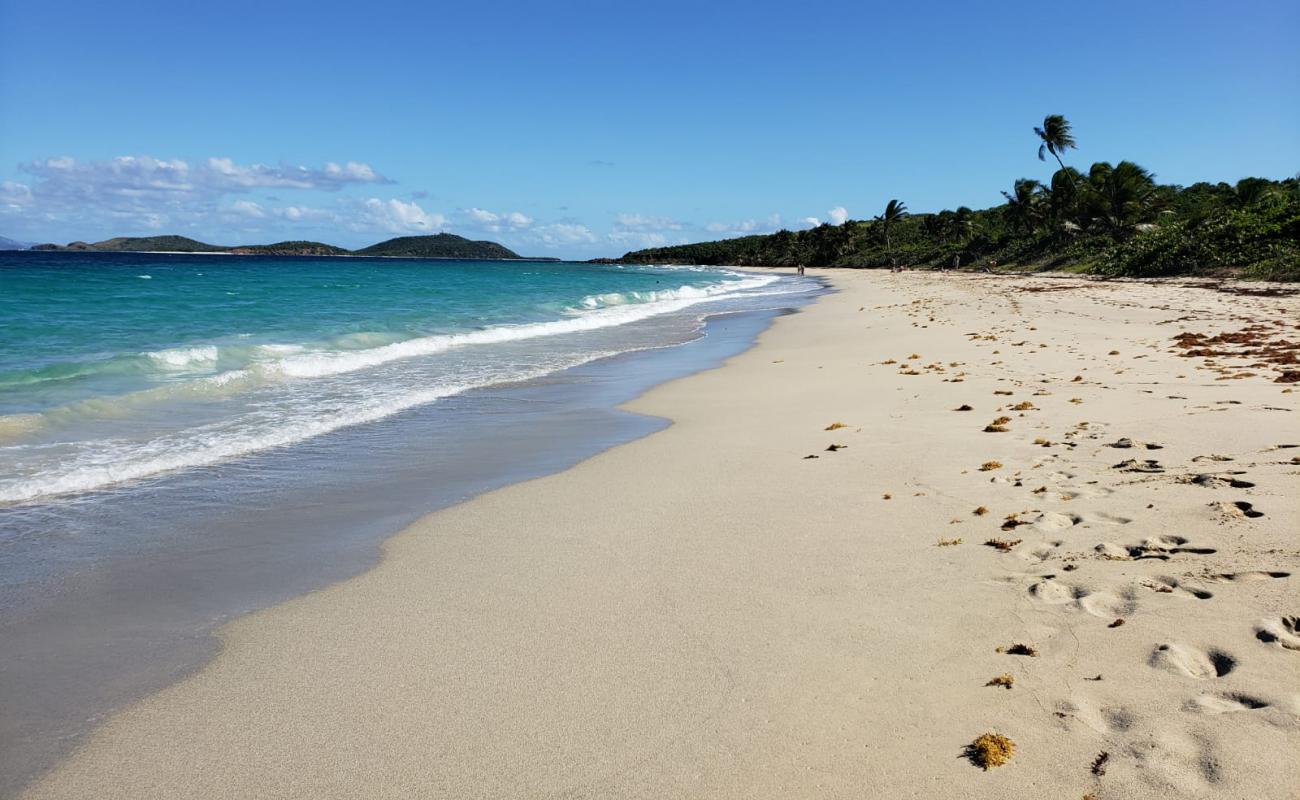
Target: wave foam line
point(315, 365)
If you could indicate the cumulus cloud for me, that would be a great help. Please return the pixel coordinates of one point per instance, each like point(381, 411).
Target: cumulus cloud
point(306, 214)
point(145, 175)
point(150, 192)
point(837, 215)
point(396, 216)
point(497, 222)
point(811, 222)
point(248, 208)
point(558, 234)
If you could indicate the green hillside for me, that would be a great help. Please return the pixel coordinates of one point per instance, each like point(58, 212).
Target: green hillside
point(442, 245)
point(293, 248)
point(171, 244)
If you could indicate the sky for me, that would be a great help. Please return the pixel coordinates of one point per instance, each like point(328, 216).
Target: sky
point(582, 129)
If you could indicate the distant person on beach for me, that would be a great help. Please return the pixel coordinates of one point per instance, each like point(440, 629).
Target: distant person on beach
point(801, 269)
point(956, 261)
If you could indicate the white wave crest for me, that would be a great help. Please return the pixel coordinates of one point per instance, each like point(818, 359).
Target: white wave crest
point(315, 365)
point(182, 358)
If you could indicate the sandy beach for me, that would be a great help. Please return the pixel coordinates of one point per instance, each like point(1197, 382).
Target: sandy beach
point(805, 586)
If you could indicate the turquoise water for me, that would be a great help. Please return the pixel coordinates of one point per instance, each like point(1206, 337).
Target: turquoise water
point(116, 368)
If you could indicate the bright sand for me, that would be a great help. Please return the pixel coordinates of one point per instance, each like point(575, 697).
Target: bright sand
point(707, 613)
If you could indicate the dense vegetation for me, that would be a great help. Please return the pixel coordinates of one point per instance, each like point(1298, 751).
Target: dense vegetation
point(443, 245)
point(293, 248)
point(1113, 220)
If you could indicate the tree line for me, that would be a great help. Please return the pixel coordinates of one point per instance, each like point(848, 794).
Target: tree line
point(1113, 219)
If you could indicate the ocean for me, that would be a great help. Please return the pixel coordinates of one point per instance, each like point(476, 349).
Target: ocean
point(187, 438)
point(115, 368)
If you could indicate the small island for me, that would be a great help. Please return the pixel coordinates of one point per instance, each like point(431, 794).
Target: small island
point(440, 245)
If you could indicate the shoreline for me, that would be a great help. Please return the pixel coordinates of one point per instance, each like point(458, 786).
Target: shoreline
point(72, 651)
point(707, 612)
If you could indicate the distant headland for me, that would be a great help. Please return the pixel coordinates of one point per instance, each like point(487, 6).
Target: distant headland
point(441, 245)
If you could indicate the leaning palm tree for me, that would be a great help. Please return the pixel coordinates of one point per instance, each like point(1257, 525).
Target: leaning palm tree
point(894, 212)
point(1056, 137)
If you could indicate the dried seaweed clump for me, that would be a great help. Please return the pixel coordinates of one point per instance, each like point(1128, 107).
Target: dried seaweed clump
point(949, 542)
point(1019, 649)
point(834, 426)
point(991, 750)
point(1005, 545)
point(1099, 763)
point(980, 511)
point(1005, 680)
point(963, 407)
point(998, 425)
point(1022, 406)
point(990, 465)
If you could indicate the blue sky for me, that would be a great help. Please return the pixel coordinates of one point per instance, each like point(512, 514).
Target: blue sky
point(584, 129)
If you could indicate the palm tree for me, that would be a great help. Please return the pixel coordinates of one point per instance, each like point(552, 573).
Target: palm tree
point(1056, 137)
point(1063, 197)
point(1121, 197)
point(1024, 204)
point(894, 212)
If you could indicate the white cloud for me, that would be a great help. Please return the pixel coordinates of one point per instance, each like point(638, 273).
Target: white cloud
point(811, 222)
point(492, 221)
point(837, 215)
point(396, 216)
point(563, 233)
point(736, 228)
point(15, 196)
point(305, 214)
point(248, 208)
point(224, 173)
point(142, 176)
point(643, 222)
point(637, 240)
point(147, 192)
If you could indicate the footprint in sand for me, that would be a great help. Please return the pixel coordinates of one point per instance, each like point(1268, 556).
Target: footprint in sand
point(1104, 604)
point(1178, 763)
point(1167, 585)
point(1224, 703)
point(1157, 547)
point(1280, 631)
point(1043, 552)
point(1192, 662)
point(1218, 481)
point(1239, 509)
point(1134, 465)
point(1102, 719)
point(1248, 576)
